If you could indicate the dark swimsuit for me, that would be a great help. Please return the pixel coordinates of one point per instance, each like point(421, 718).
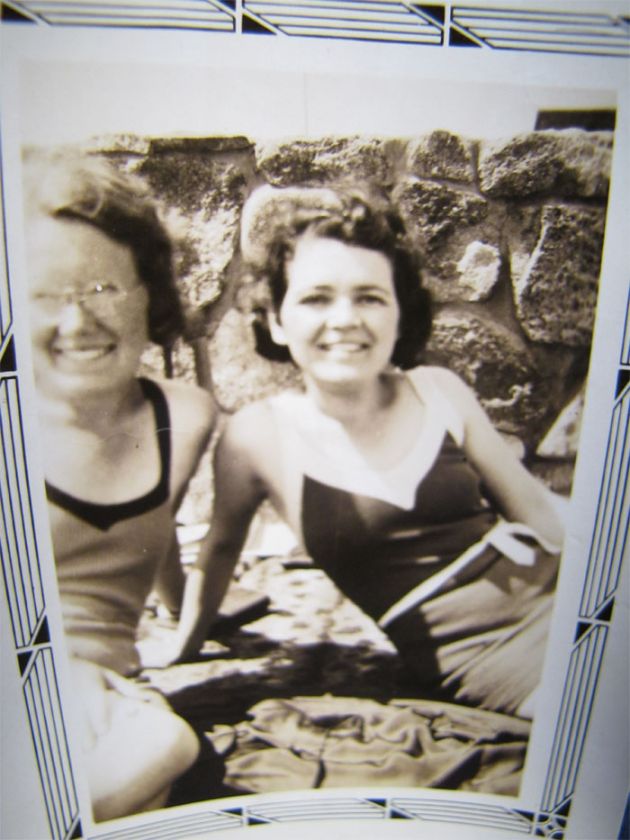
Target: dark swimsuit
point(107, 556)
point(103, 516)
point(480, 637)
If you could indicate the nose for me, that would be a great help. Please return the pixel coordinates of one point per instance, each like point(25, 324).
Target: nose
point(73, 316)
point(343, 313)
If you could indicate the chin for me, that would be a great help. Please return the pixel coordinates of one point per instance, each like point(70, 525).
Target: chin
point(344, 375)
point(70, 384)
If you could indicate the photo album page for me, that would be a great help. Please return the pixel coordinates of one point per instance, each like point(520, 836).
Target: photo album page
point(314, 399)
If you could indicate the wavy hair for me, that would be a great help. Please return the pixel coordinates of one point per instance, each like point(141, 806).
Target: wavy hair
point(66, 184)
point(366, 222)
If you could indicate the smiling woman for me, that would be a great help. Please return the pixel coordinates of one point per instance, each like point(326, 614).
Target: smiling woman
point(389, 472)
point(339, 317)
point(88, 330)
point(119, 451)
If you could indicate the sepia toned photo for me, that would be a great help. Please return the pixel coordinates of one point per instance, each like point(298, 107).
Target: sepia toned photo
point(425, 530)
point(309, 404)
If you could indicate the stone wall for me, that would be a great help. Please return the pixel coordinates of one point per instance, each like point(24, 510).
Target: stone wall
point(510, 233)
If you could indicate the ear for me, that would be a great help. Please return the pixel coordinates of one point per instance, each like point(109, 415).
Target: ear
point(276, 329)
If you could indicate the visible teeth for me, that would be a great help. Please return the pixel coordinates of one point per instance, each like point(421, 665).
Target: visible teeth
point(86, 355)
point(348, 347)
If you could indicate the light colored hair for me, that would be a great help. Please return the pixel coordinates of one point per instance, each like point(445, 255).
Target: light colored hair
point(67, 184)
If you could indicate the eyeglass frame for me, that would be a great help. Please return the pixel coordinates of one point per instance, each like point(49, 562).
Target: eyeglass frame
point(100, 299)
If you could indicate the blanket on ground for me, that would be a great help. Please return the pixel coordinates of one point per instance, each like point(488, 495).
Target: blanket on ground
point(319, 742)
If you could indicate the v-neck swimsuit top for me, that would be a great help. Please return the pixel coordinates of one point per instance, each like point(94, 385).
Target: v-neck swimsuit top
point(379, 533)
point(107, 556)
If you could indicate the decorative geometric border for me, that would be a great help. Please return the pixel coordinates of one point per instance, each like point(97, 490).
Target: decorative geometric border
point(391, 21)
point(396, 22)
point(43, 705)
point(424, 809)
point(157, 14)
point(20, 567)
point(541, 31)
point(607, 551)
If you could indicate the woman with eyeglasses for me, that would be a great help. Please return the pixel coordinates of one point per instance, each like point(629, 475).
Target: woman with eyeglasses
point(118, 450)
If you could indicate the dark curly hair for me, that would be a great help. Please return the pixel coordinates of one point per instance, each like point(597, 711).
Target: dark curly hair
point(363, 221)
point(67, 184)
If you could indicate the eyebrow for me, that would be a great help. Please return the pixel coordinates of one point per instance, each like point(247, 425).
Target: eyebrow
point(372, 287)
point(363, 287)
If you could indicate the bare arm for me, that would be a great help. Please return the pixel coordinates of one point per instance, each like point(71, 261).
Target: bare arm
point(518, 494)
point(238, 493)
point(193, 415)
point(170, 579)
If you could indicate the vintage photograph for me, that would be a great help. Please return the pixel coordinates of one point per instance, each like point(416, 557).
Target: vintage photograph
point(394, 357)
point(309, 404)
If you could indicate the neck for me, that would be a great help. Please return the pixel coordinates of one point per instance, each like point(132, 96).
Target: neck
point(353, 407)
point(99, 413)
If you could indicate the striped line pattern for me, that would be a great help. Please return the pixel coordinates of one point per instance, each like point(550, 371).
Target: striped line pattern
point(609, 544)
point(350, 808)
point(18, 547)
point(162, 14)
point(369, 20)
point(462, 813)
point(607, 551)
point(393, 21)
point(163, 827)
point(43, 705)
point(540, 31)
point(577, 700)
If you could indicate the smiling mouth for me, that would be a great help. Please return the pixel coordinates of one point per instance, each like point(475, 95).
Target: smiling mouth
point(345, 347)
point(84, 354)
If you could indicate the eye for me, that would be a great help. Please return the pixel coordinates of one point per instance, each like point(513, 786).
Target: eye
point(372, 299)
point(315, 299)
point(104, 289)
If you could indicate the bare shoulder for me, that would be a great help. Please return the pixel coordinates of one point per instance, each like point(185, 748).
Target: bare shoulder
point(192, 409)
point(450, 384)
point(246, 457)
point(251, 429)
point(193, 414)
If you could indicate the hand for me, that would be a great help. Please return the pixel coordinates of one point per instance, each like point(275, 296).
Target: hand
point(91, 685)
point(158, 653)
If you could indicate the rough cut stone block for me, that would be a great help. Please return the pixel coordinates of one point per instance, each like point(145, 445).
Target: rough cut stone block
point(315, 161)
point(497, 365)
point(479, 270)
point(569, 163)
point(204, 196)
point(200, 145)
point(195, 181)
point(116, 144)
point(269, 209)
point(441, 155)
point(239, 374)
point(561, 441)
point(432, 211)
point(204, 254)
point(467, 269)
point(556, 292)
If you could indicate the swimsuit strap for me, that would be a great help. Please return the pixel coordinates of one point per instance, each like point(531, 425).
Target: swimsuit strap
point(423, 382)
point(157, 398)
point(397, 484)
point(103, 516)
